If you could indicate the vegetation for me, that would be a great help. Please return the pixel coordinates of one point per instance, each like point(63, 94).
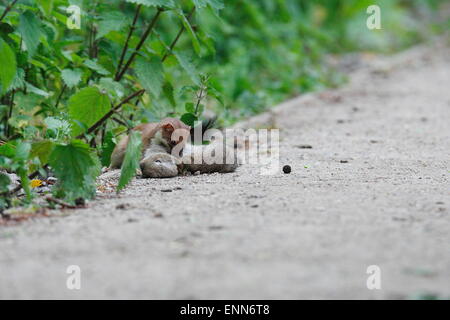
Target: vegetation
point(66, 95)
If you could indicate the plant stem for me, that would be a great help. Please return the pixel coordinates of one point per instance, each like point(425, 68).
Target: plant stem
point(174, 42)
point(60, 96)
point(7, 9)
point(140, 44)
point(130, 33)
point(120, 122)
point(199, 99)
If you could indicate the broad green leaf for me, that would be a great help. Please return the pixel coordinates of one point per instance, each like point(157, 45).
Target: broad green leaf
point(114, 88)
point(131, 162)
point(216, 94)
point(8, 63)
point(42, 150)
point(19, 80)
point(6, 28)
point(150, 75)
point(55, 124)
point(187, 65)
point(168, 93)
point(216, 5)
point(8, 150)
point(76, 168)
point(46, 6)
point(4, 182)
point(91, 64)
point(189, 107)
point(87, 106)
point(35, 90)
point(200, 109)
point(111, 21)
point(71, 77)
point(191, 32)
point(24, 181)
point(29, 29)
point(154, 3)
point(22, 151)
point(107, 148)
point(189, 119)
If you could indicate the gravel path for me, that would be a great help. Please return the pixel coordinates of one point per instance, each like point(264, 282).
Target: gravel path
point(373, 190)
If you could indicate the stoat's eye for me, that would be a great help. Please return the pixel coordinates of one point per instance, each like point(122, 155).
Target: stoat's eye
point(157, 161)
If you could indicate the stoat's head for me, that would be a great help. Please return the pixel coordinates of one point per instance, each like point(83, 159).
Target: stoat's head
point(159, 165)
point(174, 131)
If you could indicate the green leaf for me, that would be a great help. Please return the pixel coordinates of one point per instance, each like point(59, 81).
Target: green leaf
point(87, 106)
point(4, 182)
point(71, 77)
point(192, 35)
point(24, 181)
point(35, 90)
point(42, 150)
point(153, 3)
point(93, 65)
point(187, 65)
point(19, 80)
point(22, 151)
point(189, 119)
point(216, 5)
point(8, 150)
point(189, 107)
point(114, 88)
point(76, 169)
point(8, 71)
point(168, 93)
point(57, 128)
point(150, 74)
point(111, 21)
point(46, 6)
point(200, 109)
point(29, 29)
point(131, 162)
point(107, 148)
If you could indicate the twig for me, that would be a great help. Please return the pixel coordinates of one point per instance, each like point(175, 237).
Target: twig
point(140, 44)
point(120, 122)
point(174, 42)
point(61, 203)
point(7, 9)
point(130, 33)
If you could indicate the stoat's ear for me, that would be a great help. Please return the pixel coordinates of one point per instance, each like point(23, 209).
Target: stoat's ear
point(168, 127)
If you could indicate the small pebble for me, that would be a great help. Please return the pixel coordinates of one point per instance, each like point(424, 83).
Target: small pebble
point(287, 169)
point(305, 146)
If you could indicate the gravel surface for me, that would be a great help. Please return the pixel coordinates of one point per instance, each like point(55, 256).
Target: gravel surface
point(369, 185)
